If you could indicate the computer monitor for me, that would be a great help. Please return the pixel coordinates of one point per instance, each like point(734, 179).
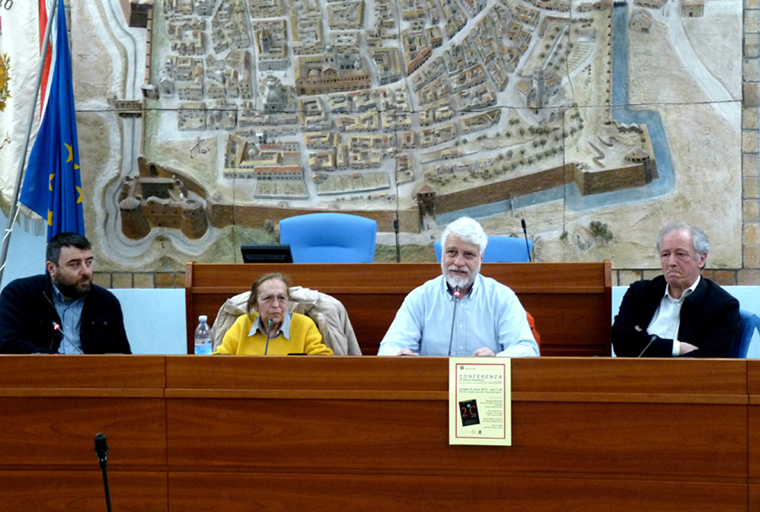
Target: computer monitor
point(266, 253)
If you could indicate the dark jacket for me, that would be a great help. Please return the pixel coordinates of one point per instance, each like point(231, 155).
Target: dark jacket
point(27, 317)
point(709, 320)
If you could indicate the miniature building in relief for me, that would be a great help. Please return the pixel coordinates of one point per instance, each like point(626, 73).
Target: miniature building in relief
point(642, 21)
point(147, 202)
point(692, 8)
point(325, 74)
point(275, 96)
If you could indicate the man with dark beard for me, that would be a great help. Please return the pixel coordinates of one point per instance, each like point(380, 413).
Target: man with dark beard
point(61, 312)
point(460, 313)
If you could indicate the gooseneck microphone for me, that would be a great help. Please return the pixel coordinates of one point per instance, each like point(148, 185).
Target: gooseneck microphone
point(651, 340)
point(269, 329)
point(101, 449)
point(456, 295)
point(527, 245)
point(395, 230)
point(57, 328)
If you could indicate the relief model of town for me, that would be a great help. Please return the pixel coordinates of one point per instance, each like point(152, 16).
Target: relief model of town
point(596, 122)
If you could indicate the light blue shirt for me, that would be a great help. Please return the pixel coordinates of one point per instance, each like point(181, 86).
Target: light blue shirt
point(490, 315)
point(284, 327)
point(70, 313)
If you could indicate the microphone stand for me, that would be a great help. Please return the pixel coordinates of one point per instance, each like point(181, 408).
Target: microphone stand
point(269, 329)
point(101, 449)
point(651, 340)
point(454, 318)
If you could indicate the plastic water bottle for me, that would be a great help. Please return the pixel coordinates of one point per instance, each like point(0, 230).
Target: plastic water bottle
point(202, 337)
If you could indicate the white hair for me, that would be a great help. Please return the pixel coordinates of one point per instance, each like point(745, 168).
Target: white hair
point(467, 230)
point(698, 237)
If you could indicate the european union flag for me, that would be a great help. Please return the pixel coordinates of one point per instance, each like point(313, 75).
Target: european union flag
point(52, 184)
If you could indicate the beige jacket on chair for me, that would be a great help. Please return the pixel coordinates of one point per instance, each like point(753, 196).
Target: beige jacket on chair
point(327, 312)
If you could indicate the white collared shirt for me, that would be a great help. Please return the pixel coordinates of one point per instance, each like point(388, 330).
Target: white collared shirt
point(667, 319)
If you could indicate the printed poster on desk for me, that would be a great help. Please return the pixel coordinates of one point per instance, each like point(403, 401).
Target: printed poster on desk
point(480, 401)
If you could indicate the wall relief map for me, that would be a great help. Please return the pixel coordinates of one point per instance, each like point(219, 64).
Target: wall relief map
point(202, 123)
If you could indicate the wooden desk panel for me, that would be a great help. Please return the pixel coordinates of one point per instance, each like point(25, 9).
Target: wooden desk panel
point(658, 380)
point(630, 440)
point(60, 431)
point(51, 407)
point(356, 433)
point(754, 497)
point(571, 302)
point(604, 425)
point(112, 375)
point(753, 390)
point(589, 435)
point(213, 376)
point(370, 492)
point(82, 491)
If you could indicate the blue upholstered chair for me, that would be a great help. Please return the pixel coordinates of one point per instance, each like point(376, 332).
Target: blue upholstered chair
point(329, 238)
point(500, 249)
point(747, 325)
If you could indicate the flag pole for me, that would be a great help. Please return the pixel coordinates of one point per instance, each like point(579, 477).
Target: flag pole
point(25, 145)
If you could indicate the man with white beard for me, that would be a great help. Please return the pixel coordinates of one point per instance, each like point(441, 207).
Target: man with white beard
point(460, 313)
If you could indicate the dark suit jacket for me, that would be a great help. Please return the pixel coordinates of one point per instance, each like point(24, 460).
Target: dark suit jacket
point(709, 320)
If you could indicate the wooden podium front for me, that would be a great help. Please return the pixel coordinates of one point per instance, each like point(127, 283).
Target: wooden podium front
point(51, 407)
point(191, 433)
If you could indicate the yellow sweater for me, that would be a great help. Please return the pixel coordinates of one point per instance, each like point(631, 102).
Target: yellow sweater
point(304, 338)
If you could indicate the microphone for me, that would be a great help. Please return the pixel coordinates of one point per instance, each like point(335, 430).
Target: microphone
point(269, 329)
point(56, 329)
point(454, 317)
point(651, 340)
point(395, 230)
point(525, 232)
point(101, 449)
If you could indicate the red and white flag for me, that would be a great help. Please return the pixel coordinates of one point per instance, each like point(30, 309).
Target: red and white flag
point(23, 30)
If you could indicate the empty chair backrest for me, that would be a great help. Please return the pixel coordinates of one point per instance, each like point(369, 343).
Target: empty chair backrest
point(329, 238)
point(747, 324)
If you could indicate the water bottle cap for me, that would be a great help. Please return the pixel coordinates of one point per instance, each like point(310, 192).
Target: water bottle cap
point(202, 318)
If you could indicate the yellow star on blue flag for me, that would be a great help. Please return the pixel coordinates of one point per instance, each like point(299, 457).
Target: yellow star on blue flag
point(52, 183)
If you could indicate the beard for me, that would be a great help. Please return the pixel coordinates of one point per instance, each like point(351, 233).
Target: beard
point(72, 289)
point(460, 281)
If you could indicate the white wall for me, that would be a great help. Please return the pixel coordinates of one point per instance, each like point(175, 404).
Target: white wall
point(26, 253)
point(154, 320)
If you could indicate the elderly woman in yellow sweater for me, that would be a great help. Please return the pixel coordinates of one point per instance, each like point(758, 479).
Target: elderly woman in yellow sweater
point(269, 328)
